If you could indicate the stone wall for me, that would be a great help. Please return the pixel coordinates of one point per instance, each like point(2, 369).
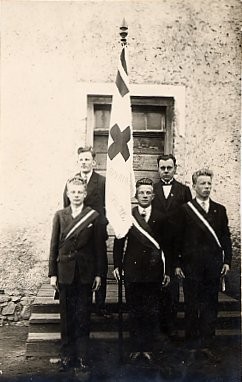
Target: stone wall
point(49, 49)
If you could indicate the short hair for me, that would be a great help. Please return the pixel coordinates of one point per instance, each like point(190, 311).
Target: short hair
point(203, 171)
point(143, 182)
point(86, 149)
point(166, 157)
point(78, 180)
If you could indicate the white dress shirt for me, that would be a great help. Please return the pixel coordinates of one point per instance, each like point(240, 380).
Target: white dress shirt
point(86, 176)
point(167, 187)
point(204, 204)
point(147, 212)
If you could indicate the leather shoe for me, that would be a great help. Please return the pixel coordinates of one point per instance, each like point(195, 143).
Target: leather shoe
point(148, 356)
point(134, 356)
point(65, 364)
point(207, 353)
point(82, 365)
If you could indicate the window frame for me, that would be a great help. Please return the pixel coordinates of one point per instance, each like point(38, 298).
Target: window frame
point(178, 92)
point(167, 102)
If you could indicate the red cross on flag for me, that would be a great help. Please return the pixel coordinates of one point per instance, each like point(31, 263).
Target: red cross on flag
point(120, 181)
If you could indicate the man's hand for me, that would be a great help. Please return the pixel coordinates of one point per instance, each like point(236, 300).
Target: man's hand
point(96, 283)
point(53, 282)
point(179, 273)
point(116, 274)
point(166, 281)
point(225, 270)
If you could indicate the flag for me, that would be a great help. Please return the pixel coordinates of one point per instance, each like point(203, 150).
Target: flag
point(120, 181)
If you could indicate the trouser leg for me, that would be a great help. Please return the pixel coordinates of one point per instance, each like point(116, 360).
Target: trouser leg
point(208, 310)
point(191, 305)
point(100, 295)
point(169, 306)
point(143, 301)
point(67, 322)
point(82, 319)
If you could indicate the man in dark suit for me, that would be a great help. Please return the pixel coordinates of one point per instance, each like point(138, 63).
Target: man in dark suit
point(170, 195)
point(96, 199)
point(143, 267)
point(204, 247)
point(76, 265)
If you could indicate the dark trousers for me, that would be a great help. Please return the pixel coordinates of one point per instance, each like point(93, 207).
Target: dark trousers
point(143, 302)
point(75, 312)
point(100, 295)
point(201, 308)
point(169, 306)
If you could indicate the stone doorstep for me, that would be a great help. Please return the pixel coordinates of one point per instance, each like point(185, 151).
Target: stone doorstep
point(54, 337)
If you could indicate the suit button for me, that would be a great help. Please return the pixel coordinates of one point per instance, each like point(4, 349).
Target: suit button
point(135, 262)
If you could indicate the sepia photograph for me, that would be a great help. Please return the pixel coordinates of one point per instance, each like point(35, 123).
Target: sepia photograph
point(120, 250)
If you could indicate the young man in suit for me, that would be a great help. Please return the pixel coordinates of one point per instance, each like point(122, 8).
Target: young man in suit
point(203, 255)
point(170, 195)
point(76, 266)
point(96, 199)
point(144, 272)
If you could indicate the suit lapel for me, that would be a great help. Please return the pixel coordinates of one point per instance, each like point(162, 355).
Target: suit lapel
point(73, 221)
point(199, 208)
point(211, 215)
point(141, 220)
point(92, 184)
point(160, 194)
point(174, 191)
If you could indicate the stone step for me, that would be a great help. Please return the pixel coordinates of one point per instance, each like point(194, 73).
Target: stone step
point(111, 325)
point(44, 330)
point(48, 344)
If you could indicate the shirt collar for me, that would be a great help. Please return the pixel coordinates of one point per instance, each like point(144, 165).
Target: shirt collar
point(87, 176)
point(200, 201)
point(167, 183)
point(147, 209)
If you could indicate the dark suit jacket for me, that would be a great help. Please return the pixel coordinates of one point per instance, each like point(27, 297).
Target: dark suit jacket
point(95, 195)
point(141, 262)
point(169, 208)
point(179, 195)
point(195, 244)
point(85, 250)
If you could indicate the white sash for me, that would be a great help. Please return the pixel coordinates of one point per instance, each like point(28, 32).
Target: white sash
point(149, 237)
point(87, 216)
point(206, 223)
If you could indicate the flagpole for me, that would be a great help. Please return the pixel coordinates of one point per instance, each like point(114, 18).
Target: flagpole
point(123, 34)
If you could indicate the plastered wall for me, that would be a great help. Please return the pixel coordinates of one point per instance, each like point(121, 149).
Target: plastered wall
point(50, 48)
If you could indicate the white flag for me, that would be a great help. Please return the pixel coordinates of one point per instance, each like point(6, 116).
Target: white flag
point(120, 181)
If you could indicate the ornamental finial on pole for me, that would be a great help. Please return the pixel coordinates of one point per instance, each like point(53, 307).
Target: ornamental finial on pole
point(123, 32)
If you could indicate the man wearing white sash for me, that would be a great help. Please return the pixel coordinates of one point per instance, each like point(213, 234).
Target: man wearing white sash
point(204, 253)
point(76, 266)
point(143, 264)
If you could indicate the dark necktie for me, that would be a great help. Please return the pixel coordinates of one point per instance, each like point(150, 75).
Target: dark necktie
point(143, 214)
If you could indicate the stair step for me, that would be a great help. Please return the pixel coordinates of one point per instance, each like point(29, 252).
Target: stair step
point(40, 318)
point(221, 314)
point(54, 318)
point(55, 337)
point(44, 330)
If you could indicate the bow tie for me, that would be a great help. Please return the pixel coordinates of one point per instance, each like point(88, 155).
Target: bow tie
point(167, 184)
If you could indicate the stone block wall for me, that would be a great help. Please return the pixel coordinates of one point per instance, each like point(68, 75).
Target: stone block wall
point(49, 49)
